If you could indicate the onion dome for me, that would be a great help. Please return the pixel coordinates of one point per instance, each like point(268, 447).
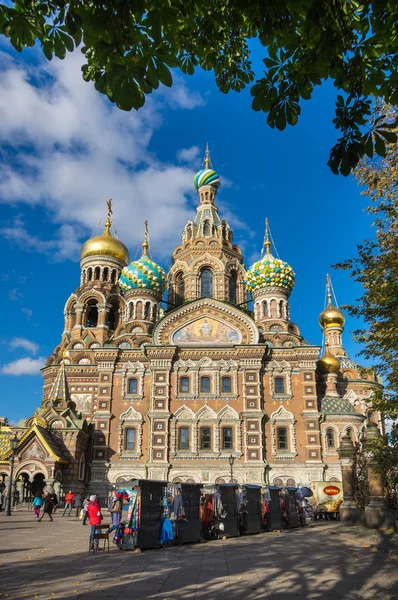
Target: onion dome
point(206, 176)
point(269, 271)
point(331, 316)
point(328, 363)
point(105, 244)
point(143, 273)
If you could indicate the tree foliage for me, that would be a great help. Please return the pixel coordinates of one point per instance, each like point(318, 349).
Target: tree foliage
point(376, 269)
point(376, 266)
point(130, 48)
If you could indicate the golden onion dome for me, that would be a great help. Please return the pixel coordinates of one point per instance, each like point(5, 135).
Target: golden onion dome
point(331, 316)
point(105, 244)
point(328, 363)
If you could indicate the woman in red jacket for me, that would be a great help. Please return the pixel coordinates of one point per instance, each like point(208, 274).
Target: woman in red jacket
point(95, 517)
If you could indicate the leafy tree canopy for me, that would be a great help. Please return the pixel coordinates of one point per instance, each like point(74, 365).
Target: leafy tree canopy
point(130, 48)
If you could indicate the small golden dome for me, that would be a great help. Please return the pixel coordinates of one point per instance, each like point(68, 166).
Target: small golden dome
point(328, 363)
point(331, 316)
point(105, 244)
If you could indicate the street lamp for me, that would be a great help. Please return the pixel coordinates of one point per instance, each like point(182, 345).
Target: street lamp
point(231, 460)
point(14, 445)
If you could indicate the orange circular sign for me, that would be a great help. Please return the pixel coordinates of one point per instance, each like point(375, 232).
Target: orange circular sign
point(331, 490)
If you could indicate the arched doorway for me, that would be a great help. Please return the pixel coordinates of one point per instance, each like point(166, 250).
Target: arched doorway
point(38, 483)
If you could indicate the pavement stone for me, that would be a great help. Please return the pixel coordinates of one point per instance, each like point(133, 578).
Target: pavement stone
point(327, 561)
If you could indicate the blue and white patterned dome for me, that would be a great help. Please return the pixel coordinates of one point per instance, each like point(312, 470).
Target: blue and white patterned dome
point(143, 274)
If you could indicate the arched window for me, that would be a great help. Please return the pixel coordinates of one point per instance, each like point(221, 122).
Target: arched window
point(147, 309)
point(265, 309)
point(205, 438)
point(113, 317)
point(89, 274)
point(133, 386)
point(180, 289)
point(330, 438)
point(281, 438)
point(291, 482)
point(232, 287)
point(139, 310)
point(205, 385)
point(96, 273)
point(184, 385)
point(206, 283)
point(226, 385)
point(183, 438)
point(91, 313)
point(72, 316)
point(227, 438)
point(206, 228)
point(113, 276)
point(82, 467)
point(105, 274)
point(130, 439)
point(281, 308)
point(279, 385)
point(131, 310)
point(155, 312)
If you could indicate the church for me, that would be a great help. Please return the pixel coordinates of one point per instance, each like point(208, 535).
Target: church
point(194, 375)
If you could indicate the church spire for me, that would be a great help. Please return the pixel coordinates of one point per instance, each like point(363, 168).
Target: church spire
point(59, 395)
point(145, 243)
point(108, 221)
point(267, 242)
point(207, 159)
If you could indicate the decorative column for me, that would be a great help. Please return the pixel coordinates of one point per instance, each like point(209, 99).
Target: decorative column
point(349, 512)
point(376, 512)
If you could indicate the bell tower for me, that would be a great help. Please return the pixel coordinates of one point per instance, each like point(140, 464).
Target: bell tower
point(93, 311)
point(207, 263)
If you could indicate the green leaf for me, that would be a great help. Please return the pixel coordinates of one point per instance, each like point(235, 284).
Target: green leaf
point(163, 73)
point(280, 120)
point(380, 146)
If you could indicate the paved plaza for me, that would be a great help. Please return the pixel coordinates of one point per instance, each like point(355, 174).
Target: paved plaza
point(325, 561)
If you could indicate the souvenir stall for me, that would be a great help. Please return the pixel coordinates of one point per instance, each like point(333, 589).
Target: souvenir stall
point(212, 514)
point(190, 528)
point(272, 508)
point(304, 504)
point(141, 522)
point(290, 515)
point(230, 502)
point(250, 510)
point(181, 504)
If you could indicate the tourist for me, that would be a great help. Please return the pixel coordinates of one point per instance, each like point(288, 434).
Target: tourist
point(55, 501)
point(115, 508)
point(95, 518)
point(47, 506)
point(78, 503)
point(68, 502)
point(85, 513)
point(37, 504)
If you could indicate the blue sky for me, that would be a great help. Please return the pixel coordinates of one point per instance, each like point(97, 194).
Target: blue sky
point(65, 149)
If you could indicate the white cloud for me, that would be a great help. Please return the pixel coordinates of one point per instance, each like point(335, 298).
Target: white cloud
point(15, 295)
point(189, 155)
point(179, 96)
point(25, 344)
point(74, 150)
point(23, 366)
point(27, 311)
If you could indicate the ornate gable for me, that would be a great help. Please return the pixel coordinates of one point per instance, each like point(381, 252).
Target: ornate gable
point(206, 322)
